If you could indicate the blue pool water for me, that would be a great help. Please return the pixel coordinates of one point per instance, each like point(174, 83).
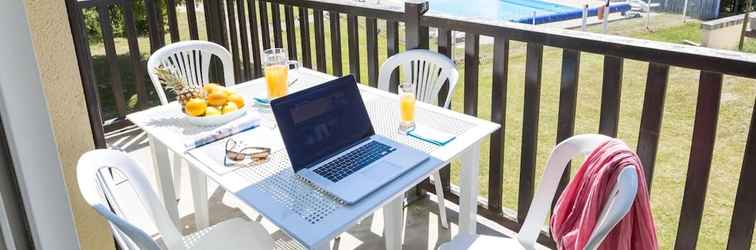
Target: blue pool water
point(498, 9)
point(521, 11)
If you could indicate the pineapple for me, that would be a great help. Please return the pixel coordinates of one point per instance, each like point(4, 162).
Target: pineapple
point(183, 91)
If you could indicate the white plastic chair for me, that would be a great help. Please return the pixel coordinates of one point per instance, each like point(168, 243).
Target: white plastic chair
point(191, 61)
point(428, 71)
point(618, 205)
point(230, 234)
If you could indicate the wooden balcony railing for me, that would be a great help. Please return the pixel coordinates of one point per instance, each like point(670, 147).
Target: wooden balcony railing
point(247, 26)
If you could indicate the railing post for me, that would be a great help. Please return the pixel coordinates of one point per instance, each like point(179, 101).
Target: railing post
point(216, 32)
point(744, 211)
point(155, 20)
point(416, 36)
point(86, 71)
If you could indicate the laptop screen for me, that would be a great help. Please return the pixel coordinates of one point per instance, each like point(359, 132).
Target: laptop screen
point(321, 121)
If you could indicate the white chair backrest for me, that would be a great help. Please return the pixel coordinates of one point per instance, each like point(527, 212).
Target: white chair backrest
point(190, 60)
point(88, 168)
point(428, 70)
point(619, 203)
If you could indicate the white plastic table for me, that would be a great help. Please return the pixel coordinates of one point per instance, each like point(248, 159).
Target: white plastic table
point(303, 212)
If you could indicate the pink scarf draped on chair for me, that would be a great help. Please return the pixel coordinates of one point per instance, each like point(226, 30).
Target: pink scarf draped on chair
point(578, 209)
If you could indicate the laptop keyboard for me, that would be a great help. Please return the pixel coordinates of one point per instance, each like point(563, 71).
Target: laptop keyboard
point(353, 161)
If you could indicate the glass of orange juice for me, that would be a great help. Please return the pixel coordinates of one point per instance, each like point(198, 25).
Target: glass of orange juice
point(406, 107)
point(276, 65)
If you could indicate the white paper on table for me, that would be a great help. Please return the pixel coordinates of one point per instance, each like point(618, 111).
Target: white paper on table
point(213, 154)
point(249, 120)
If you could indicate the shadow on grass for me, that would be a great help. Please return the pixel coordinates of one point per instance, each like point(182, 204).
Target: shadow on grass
point(127, 74)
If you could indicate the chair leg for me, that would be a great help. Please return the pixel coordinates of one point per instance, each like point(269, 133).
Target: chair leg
point(440, 195)
point(178, 164)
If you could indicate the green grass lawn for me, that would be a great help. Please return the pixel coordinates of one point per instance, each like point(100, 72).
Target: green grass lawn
point(737, 99)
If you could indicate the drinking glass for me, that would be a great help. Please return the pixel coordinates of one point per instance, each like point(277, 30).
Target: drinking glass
point(276, 65)
point(406, 107)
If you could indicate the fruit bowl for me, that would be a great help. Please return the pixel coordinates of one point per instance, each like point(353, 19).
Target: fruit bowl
point(207, 121)
point(213, 105)
point(209, 105)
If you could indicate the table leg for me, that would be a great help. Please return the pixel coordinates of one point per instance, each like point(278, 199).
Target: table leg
point(470, 179)
point(393, 222)
point(178, 161)
point(199, 197)
point(162, 164)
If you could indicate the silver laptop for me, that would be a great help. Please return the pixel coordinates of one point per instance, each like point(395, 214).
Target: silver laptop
point(331, 142)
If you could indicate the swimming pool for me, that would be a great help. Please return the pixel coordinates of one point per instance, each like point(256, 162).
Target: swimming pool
point(521, 11)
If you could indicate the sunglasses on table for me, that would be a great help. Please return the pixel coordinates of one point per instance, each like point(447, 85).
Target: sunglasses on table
point(237, 152)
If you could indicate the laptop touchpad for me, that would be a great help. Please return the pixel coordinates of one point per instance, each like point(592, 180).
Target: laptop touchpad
point(384, 169)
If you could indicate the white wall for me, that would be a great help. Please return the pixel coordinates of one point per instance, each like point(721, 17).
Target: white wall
point(26, 121)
